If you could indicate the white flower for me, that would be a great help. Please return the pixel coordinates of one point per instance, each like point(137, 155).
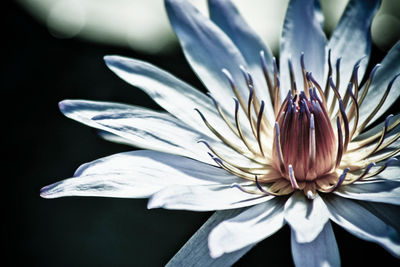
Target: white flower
point(291, 147)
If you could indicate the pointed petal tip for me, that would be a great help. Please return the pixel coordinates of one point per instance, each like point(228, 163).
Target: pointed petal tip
point(153, 204)
point(46, 191)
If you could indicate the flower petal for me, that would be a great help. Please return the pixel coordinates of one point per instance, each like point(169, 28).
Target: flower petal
point(381, 191)
point(389, 68)
point(390, 214)
point(351, 40)
point(322, 251)
point(208, 50)
point(196, 252)
point(204, 197)
point(306, 217)
point(136, 174)
point(174, 95)
point(144, 128)
point(226, 16)
point(362, 223)
point(302, 32)
point(248, 228)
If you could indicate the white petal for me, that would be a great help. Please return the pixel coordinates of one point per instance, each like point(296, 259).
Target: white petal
point(302, 32)
point(204, 197)
point(389, 68)
point(322, 251)
point(135, 174)
point(196, 252)
point(382, 191)
point(351, 40)
point(174, 95)
point(248, 228)
point(208, 50)
point(362, 223)
point(306, 217)
point(227, 17)
point(142, 127)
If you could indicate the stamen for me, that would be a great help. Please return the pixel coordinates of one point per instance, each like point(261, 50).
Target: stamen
point(239, 128)
point(223, 115)
point(339, 182)
point(383, 135)
point(262, 189)
point(303, 71)
point(267, 77)
point(365, 172)
point(375, 111)
point(340, 142)
point(321, 93)
point(234, 89)
point(222, 138)
point(292, 78)
point(279, 149)
point(353, 80)
point(259, 122)
point(367, 85)
point(382, 168)
point(354, 104)
point(326, 92)
point(292, 179)
point(312, 143)
point(346, 126)
point(244, 190)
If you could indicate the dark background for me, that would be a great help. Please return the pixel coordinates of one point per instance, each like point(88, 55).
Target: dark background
point(43, 146)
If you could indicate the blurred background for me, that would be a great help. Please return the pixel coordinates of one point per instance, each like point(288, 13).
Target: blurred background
point(53, 50)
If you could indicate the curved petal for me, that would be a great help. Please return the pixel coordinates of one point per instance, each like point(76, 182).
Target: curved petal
point(135, 174)
point(362, 223)
point(208, 50)
point(196, 252)
point(390, 214)
point(322, 251)
point(302, 32)
point(144, 128)
point(381, 191)
point(389, 68)
point(204, 197)
point(174, 95)
point(226, 16)
point(248, 228)
point(351, 40)
point(306, 217)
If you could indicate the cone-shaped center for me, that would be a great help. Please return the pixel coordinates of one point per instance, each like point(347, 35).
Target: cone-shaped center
point(304, 142)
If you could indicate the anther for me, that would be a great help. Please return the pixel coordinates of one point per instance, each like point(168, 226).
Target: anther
point(292, 178)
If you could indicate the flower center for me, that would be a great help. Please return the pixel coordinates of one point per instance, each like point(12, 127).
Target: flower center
point(303, 138)
point(301, 151)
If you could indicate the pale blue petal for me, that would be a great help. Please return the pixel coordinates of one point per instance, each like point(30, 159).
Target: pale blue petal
point(322, 251)
point(174, 95)
point(386, 191)
point(226, 16)
point(195, 252)
point(208, 50)
point(362, 223)
point(204, 197)
point(306, 217)
point(136, 174)
point(389, 68)
point(302, 32)
point(351, 40)
point(390, 214)
point(248, 228)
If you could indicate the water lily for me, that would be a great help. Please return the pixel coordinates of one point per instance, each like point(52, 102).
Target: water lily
point(299, 146)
